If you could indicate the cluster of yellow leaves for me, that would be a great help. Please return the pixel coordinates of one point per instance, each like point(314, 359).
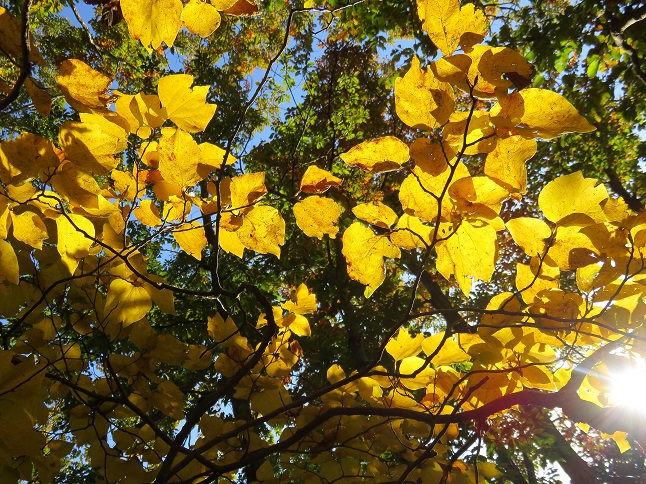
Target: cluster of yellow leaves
point(156, 21)
point(444, 207)
point(263, 386)
point(66, 207)
point(448, 209)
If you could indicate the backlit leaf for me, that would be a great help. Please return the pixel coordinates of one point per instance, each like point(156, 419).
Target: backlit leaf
point(364, 252)
point(468, 254)
point(190, 237)
point(404, 345)
point(11, 39)
point(200, 18)
point(147, 213)
point(75, 234)
point(317, 216)
point(530, 234)
point(179, 156)
point(378, 156)
point(83, 87)
point(570, 194)
point(185, 106)
point(411, 233)
point(539, 113)
point(302, 302)
point(506, 163)
point(246, 190)
point(263, 230)
point(30, 229)
point(421, 100)
point(375, 213)
point(92, 143)
point(450, 26)
point(153, 21)
point(317, 180)
point(126, 302)
point(8, 263)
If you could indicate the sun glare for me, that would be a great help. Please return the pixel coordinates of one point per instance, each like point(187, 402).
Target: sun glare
point(629, 386)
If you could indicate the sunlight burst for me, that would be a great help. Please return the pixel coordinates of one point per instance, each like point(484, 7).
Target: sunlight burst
point(628, 387)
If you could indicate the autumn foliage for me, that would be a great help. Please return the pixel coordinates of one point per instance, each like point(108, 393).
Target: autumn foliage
point(91, 370)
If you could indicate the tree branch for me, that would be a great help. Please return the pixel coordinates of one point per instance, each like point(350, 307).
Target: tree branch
point(25, 67)
point(618, 26)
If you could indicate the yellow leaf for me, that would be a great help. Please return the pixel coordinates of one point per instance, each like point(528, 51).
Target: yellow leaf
point(449, 353)
point(317, 216)
point(316, 180)
point(75, 234)
point(126, 185)
point(224, 332)
point(488, 470)
point(185, 106)
point(335, 373)
point(163, 298)
point(420, 190)
point(30, 229)
point(557, 304)
point(223, 4)
point(83, 87)
point(410, 233)
point(529, 283)
point(573, 194)
point(246, 190)
point(79, 187)
point(200, 18)
point(298, 324)
point(364, 252)
point(142, 113)
point(572, 248)
point(450, 26)
point(126, 302)
point(481, 71)
point(263, 230)
point(153, 21)
point(530, 234)
point(412, 364)
point(230, 242)
point(179, 156)
point(41, 98)
point(375, 213)
point(471, 192)
point(11, 39)
point(404, 345)
point(147, 213)
point(469, 253)
point(8, 263)
point(302, 302)
point(212, 158)
point(421, 100)
point(506, 163)
point(621, 441)
point(378, 156)
point(480, 133)
point(269, 400)
point(539, 113)
point(537, 377)
point(25, 157)
point(92, 143)
point(190, 237)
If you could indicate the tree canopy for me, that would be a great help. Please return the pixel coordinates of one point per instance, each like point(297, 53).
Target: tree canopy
point(336, 241)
